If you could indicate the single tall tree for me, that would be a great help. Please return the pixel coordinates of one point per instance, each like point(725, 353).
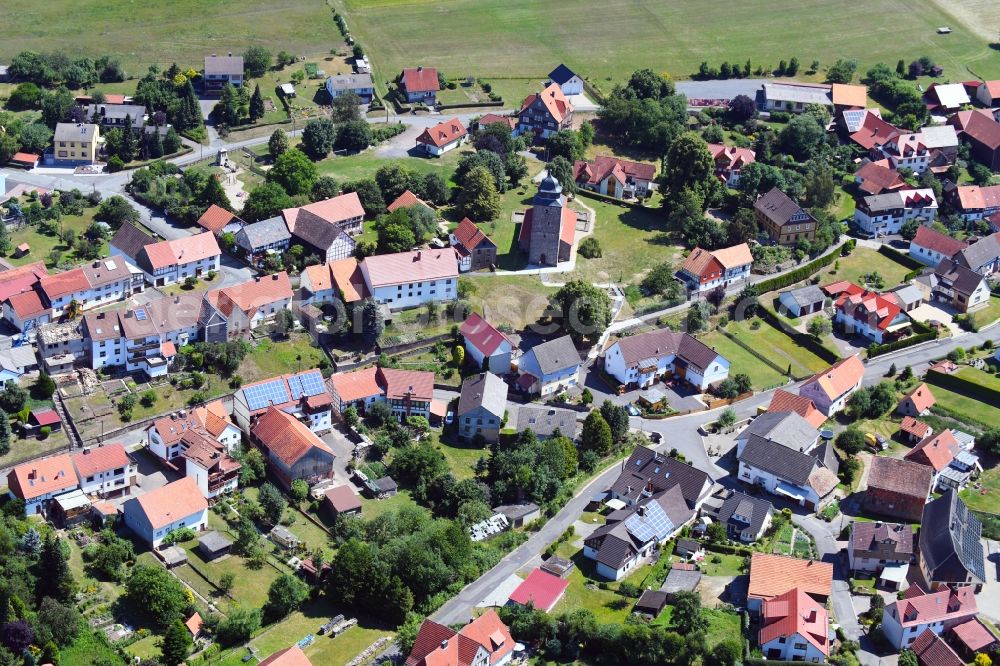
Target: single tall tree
point(256, 105)
point(175, 644)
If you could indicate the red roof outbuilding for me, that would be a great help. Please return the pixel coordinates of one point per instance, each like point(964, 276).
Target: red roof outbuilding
point(541, 589)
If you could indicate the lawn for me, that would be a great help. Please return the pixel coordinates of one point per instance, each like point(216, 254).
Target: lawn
point(462, 457)
point(979, 377)
point(778, 347)
point(987, 497)
point(517, 38)
point(864, 260)
point(31, 447)
point(964, 406)
point(516, 300)
point(608, 606)
point(762, 375)
point(372, 508)
point(184, 31)
point(364, 164)
point(43, 244)
point(989, 314)
point(722, 625)
point(728, 565)
point(271, 358)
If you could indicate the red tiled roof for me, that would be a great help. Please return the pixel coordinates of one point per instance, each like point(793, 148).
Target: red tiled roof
point(21, 278)
point(874, 132)
point(937, 242)
point(429, 639)
point(334, 210)
point(974, 635)
point(346, 275)
point(61, 284)
point(936, 451)
point(26, 158)
point(840, 377)
point(415, 266)
point(169, 503)
point(405, 200)
point(399, 384)
point(855, 301)
point(168, 349)
point(604, 166)
point(355, 385)
point(468, 234)
point(171, 428)
point(101, 459)
point(974, 197)
point(701, 264)
point(877, 178)
point(567, 232)
point(184, 250)
point(489, 631)
point(912, 426)
point(540, 589)
point(216, 218)
point(293, 656)
point(783, 401)
point(481, 334)
point(982, 128)
point(922, 398)
point(40, 477)
point(421, 79)
point(45, 417)
point(795, 612)
point(27, 304)
point(285, 436)
point(194, 623)
point(773, 575)
point(553, 99)
point(920, 607)
point(443, 133)
point(493, 118)
point(931, 650)
point(253, 294)
point(728, 158)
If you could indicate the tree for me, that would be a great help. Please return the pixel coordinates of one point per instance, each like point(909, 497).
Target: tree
point(239, 626)
point(716, 532)
point(35, 137)
point(458, 356)
point(116, 211)
point(564, 143)
point(727, 653)
point(62, 620)
point(155, 590)
point(318, 138)
point(5, 433)
point(393, 179)
point(395, 238)
point(908, 230)
point(908, 658)
point(585, 309)
point(171, 142)
point(265, 201)
point(272, 503)
point(8, 147)
point(354, 135)
point(802, 136)
point(818, 184)
point(214, 193)
point(596, 434)
point(479, 199)
point(299, 491)
point(484, 158)
point(112, 555)
point(562, 170)
point(284, 596)
point(175, 644)
point(155, 145)
point(819, 326)
point(516, 167)
point(742, 108)
point(247, 541)
point(227, 109)
point(436, 190)
point(17, 636)
point(56, 106)
point(256, 61)
point(687, 617)
point(989, 440)
point(851, 441)
point(369, 194)
point(345, 107)
point(371, 322)
point(256, 105)
point(982, 659)
point(841, 71)
point(57, 582)
point(325, 187)
point(689, 166)
point(44, 386)
point(24, 97)
point(727, 418)
point(251, 467)
point(277, 144)
point(616, 417)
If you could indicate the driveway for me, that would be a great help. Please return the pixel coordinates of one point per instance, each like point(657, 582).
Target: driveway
point(343, 449)
point(931, 312)
point(989, 598)
point(150, 475)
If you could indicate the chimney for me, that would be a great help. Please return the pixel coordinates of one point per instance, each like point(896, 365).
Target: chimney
point(420, 69)
point(230, 54)
point(444, 644)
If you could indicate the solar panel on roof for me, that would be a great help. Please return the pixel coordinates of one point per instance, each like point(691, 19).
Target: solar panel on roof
point(306, 384)
point(261, 396)
point(140, 314)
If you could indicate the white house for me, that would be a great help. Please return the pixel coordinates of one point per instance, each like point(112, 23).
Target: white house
point(250, 304)
point(40, 481)
point(868, 314)
point(97, 283)
point(794, 627)
point(905, 619)
point(873, 546)
point(830, 389)
point(641, 360)
point(487, 345)
point(704, 270)
point(882, 214)
point(106, 471)
point(446, 135)
point(409, 279)
point(302, 395)
point(360, 84)
point(156, 514)
point(907, 150)
point(171, 261)
point(568, 82)
point(931, 247)
point(550, 367)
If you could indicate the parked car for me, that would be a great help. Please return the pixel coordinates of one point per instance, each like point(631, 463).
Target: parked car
point(876, 442)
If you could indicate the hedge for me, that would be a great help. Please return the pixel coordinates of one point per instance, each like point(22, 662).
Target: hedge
point(801, 339)
point(901, 258)
point(965, 387)
point(799, 274)
point(991, 524)
point(920, 338)
point(941, 410)
point(470, 105)
point(726, 549)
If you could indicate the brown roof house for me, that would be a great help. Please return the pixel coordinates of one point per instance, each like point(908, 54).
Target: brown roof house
point(615, 177)
point(642, 360)
point(293, 450)
point(873, 546)
point(343, 501)
point(785, 221)
point(474, 248)
point(897, 488)
point(982, 133)
point(481, 407)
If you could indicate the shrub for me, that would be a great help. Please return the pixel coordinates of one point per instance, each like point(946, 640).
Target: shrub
point(590, 248)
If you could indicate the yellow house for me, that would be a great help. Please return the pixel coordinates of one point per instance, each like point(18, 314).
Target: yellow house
point(76, 142)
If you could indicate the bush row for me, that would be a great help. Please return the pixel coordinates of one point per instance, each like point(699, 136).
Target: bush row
point(799, 274)
point(727, 549)
point(611, 200)
point(901, 258)
point(941, 410)
point(471, 105)
point(879, 350)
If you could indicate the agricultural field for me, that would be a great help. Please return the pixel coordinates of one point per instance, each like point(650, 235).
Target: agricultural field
point(518, 38)
point(185, 31)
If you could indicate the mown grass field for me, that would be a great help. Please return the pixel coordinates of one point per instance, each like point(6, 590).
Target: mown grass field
point(761, 375)
point(184, 31)
point(861, 261)
point(778, 347)
point(606, 41)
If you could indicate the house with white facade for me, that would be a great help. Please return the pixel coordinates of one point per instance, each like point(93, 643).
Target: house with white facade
point(615, 177)
point(410, 279)
point(918, 611)
point(550, 367)
point(220, 70)
point(869, 314)
point(704, 270)
point(932, 247)
point(794, 627)
point(171, 261)
point(983, 256)
point(164, 435)
point(830, 389)
point(639, 361)
point(874, 546)
point(95, 284)
point(324, 238)
point(360, 84)
point(39, 482)
point(154, 515)
point(248, 305)
point(569, 82)
point(884, 214)
point(303, 395)
point(489, 347)
point(439, 139)
point(105, 471)
point(962, 288)
point(808, 477)
point(907, 150)
point(730, 161)
point(407, 392)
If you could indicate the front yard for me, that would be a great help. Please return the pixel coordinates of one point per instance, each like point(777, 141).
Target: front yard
point(861, 261)
point(777, 346)
point(762, 375)
point(985, 497)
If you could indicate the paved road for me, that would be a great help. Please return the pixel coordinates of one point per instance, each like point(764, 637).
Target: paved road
point(681, 433)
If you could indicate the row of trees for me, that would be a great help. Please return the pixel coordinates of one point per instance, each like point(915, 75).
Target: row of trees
point(51, 69)
point(735, 71)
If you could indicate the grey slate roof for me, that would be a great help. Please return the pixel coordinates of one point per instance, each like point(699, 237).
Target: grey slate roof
point(75, 132)
point(648, 469)
point(786, 428)
point(227, 65)
point(350, 81)
point(130, 239)
point(741, 504)
point(136, 112)
point(806, 295)
point(314, 230)
point(664, 342)
point(651, 602)
point(263, 233)
point(616, 541)
point(950, 540)
point(783, 462)
point(485, 390)
point(777, 206)
point(561, 74)
point(907, 294)
point(544, 421)
point(963, 280)
point(679, 580)
point(214, 542)
point(980, 253)
point(551, 356)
